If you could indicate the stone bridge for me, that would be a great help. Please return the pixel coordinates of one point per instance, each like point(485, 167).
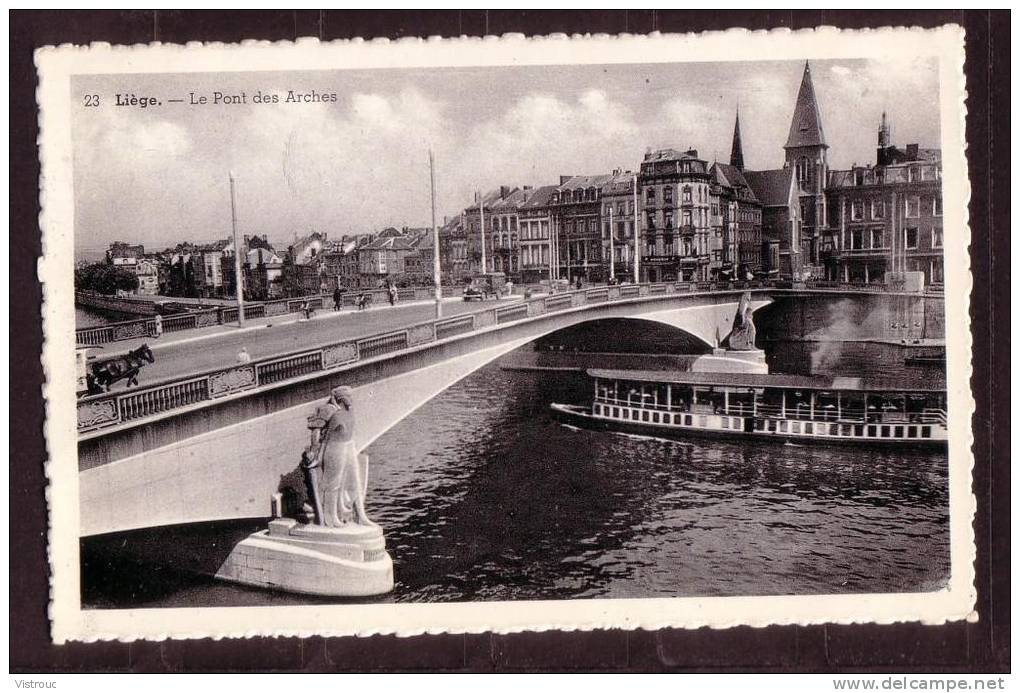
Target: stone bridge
point(216, 445)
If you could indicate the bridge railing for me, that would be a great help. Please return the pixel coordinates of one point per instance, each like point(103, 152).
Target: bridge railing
point(146, 327)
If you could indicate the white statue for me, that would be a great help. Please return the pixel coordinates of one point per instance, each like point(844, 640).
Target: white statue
point(337, 477)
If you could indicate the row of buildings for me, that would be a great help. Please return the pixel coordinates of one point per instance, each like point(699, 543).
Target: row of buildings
point(311, 264)
point(678, 217)
point(687, 219)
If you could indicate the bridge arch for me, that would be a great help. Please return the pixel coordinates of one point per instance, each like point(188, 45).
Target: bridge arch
point(225, 460)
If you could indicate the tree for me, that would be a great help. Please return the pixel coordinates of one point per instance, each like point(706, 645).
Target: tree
point(105, 279)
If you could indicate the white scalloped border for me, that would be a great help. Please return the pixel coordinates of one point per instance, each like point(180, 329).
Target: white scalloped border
point(70, 622)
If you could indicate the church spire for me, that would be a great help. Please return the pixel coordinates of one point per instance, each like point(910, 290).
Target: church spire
point(737, 151)
point(883, 133)
point(806, 125)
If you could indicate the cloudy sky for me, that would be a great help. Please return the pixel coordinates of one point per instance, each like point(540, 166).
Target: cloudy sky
point(160, 174)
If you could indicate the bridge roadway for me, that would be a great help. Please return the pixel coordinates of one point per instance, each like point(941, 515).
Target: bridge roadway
point(194, 351)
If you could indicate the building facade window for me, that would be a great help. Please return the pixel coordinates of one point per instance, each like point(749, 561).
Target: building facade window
point(667, 195)
point(878, 209)
point(910, 238)
point(936, 237)
point(856, 239)
point(802, 169)
point(687, 194)
point(913, 207)
point(936, 208)
point(857, 210)
point(650, 195)
point(876, 238)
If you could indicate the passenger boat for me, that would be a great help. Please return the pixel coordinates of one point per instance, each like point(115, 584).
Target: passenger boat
point(787, 408)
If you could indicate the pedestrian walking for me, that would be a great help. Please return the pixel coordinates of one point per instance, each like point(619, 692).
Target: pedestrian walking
point(393, 294)
point(338, 298)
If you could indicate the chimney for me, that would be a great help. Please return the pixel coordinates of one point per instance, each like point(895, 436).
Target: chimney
point(564, 179)
point(692, 152)
point(504, 190)
point(912, 151)
point(527, 188)
point(617, 171)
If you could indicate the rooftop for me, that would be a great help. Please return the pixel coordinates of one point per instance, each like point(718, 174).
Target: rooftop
point(771, 187)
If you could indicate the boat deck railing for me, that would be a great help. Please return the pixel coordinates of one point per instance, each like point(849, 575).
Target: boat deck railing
point(802, 412)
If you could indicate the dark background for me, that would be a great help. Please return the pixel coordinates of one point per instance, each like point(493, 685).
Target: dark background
point(956, 647)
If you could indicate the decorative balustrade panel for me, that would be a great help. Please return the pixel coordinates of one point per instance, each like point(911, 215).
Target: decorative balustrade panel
point(289, 367)
point(142, 403)
point(94, 336)
point(232, 380)
point(256, 310)
point(558, 302)
point(339, 354)
point(454, 326)
point(97, 413)
point(177, 323)
point(485, 319)
point(596, 295)
point(383, 344)
point(535, 308)
point(130, 330)
point(421, 334)
point(511, 313)
point(277, 308)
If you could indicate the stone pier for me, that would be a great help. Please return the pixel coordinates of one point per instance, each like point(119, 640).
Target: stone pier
point(348, 561)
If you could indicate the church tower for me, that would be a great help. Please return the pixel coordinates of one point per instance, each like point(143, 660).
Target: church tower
point(806, 155)
point(737, 151)
point(884, 143)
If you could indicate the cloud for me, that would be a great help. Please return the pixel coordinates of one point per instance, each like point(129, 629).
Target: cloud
point(540, 137)
point(359, 164)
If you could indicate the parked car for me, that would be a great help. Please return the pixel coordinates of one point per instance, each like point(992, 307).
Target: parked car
point(485, 286)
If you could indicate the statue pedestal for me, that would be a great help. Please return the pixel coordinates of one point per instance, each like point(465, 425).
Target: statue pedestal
point(728, 361)
point(348, 561)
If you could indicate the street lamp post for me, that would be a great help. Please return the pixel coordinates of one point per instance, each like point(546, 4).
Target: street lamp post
point(637, 235)
point(238, 280)
point(612, 246)
point(481, 212)
point(435, 241)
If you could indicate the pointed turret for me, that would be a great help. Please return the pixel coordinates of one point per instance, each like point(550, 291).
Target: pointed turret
point(737, 151)
point(883, 133)
point(806, 126)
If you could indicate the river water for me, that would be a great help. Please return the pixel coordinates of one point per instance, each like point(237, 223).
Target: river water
point(484, 496)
